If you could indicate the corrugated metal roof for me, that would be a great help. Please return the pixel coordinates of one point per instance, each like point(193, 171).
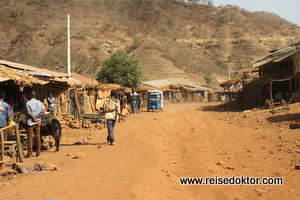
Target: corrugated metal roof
point(196, 87)
point(84, 79)
point(278, 55)
point(30, 69)
point(35, 73)
point(157, 83)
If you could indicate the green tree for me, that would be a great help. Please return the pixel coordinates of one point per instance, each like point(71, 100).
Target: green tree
point(121, 69)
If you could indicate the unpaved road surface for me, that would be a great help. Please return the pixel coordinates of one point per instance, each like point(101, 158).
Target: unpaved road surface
point(153, 150)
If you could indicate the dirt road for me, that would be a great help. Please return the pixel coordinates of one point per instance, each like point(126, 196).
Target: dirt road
point(153, 150)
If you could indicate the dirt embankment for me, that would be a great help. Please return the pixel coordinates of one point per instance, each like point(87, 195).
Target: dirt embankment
point(164, 35)
point(153, 150)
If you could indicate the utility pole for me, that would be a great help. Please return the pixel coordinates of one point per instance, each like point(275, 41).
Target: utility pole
point(68, 48)
point(228, 73)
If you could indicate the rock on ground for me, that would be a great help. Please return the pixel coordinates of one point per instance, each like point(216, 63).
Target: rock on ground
point(22, 168)
point(44, 166)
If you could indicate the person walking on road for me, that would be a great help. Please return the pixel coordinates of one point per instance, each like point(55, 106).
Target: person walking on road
point(111, 108)
point(134, 98)
point(35, 109)
point(123, 105)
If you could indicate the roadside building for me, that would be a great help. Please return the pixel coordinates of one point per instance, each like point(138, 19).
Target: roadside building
point(176, 92)
point(273, 78)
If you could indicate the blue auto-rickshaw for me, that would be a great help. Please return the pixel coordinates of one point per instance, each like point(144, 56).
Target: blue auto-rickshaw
point(155, 100)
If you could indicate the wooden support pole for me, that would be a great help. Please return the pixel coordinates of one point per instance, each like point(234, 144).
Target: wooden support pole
point(2, 147)
point(20, 152)
point(78, 109)
point(271, 90)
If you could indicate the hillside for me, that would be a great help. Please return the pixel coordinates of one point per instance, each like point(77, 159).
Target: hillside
point(172, 39)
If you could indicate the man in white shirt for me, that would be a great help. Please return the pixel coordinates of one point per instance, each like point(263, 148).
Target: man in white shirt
point(35, 109)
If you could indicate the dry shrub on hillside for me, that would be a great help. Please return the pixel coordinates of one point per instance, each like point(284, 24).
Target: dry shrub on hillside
point(165, 21)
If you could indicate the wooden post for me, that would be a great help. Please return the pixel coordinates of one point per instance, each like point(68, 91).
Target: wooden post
point(68, 102)
point(68, 48)
point(20, 152)
point(78, 108)
point(2, 147)
point(271, 90)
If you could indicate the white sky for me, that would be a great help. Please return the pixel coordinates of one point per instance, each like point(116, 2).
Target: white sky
point(287, 9)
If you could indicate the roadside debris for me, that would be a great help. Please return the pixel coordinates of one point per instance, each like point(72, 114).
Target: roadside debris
point(22, 168)
point(79, 155)
point(294, 126)
point(40, 166)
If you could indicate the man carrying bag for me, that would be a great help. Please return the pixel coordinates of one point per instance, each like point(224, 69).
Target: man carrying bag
point(111, 108)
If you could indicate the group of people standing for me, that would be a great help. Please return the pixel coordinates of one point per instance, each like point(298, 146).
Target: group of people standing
point(33, 110)
point(136, 101)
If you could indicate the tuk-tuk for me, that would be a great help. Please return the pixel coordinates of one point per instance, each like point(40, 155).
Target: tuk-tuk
point(155, 100)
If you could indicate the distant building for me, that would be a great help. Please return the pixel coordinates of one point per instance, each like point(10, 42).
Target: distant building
point(278, 79)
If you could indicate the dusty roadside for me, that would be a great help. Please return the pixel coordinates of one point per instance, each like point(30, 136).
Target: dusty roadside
point(153, 150)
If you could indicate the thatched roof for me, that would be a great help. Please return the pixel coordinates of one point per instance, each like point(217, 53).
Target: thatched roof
point(125, 89)
point(108, 86)
point(230, 82)
point(20, 78)
point(144, 89)
point(174, 87)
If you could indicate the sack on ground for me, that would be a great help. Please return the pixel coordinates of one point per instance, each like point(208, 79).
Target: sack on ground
point(109, 105)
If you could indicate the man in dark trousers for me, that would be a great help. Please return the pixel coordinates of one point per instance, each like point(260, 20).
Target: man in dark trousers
point(112, 116)
point(35, 109)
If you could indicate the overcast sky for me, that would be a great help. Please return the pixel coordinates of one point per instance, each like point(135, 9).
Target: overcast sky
point(287, 9)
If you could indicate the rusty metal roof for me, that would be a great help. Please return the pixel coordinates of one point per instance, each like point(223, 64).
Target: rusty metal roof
point(32, 70)
point(84, 79)
point(278, 55)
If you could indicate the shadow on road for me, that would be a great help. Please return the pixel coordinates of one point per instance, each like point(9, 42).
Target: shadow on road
point(217, 108)
point(287, 117)
point(84, 144)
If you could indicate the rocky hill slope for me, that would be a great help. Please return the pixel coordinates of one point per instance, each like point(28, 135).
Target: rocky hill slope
point(171, 38)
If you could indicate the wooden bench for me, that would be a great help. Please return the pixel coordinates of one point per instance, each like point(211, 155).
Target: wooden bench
point(90, 116)
point(10, 144)
point(23, 137)
point(282, 105)
point(11, 147)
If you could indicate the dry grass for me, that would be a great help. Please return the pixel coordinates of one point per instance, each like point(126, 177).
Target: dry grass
point(230, 34)
point(174, 87)
point(108, 86)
